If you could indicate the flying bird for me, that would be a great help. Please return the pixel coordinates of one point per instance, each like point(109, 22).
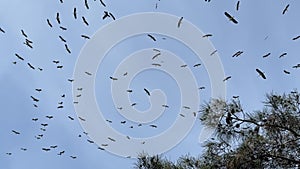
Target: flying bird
point(46, 149)
point(1, 30)
point(261, 73)
point(85, 36)
point(85, 21)
point(82, 119)
point(75, 13)
point(49, 117)
point(71, 118)
point(90, 141)
point(266, 55)
point(147, 91)
point(112, 16)
point(27, 43)
point(206, 35)
point(19, 57)
point(63, 28)
point(16, 132)
point(152, 125)
point(35, 119)
point(60, 107)
point(152, 37)
point(61, 153)
point(286, 72)
point(285, 9)
point(238, 5)
point(186, 107)
point(57, 18)
point(237, 54)
point(183, 65)
point(226, 78)
point(231, 18)
point(86, 4)
point(38, 89)
point(156, 64)
point(73, 157)
point(295, 38)
point(34, 99)
point(61, 1)
point(133, 104)
point(111, 139)
point(62, 39)
point(53, 146)
point(212, 53)
point(113, 78)
point(179, 22)
point(24, 34)
point(67, 48)
point(296, 66)
point(49, 23)
point(156, 55)
point(32, 67)
point(101, 1)
point(197, 65)
point(282, 55)
point(106, 14)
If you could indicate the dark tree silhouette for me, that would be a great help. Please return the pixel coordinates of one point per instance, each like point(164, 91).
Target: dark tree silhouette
point(268, 138)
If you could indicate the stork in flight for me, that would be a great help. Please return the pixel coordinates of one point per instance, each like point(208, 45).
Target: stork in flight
point(231, 18)
point(261, 73)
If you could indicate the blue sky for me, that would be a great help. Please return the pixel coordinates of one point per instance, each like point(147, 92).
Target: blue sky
point(261, 29)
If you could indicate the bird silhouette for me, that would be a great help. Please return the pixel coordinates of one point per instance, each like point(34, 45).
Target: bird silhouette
point(19, 57)
point(105, 15)
point(34, 99)
point(101, 1)
point(237, 54)
point(23, 33)
point(112, 16)
point(75, 13)
point(156, 55)
point(67, 48)
point(285, 9)
point(62, 39)
point(71, 118)
point(86, 4)
point(295, 38)
point(85, 36)
point(153, 125)
point(207, 35)
point(1, 30)
point(152, 37)
point(283, 54)
point(226, 78)
point(16, 132)
point(266, 55)
point(179, 22)
point(49, 117)
point(113, 78)
point(261, 73)
point(49, 23)
point(197, 65)
point(238, 5)
point(88, 73)
point(286, 72)
point(61, 153)
point(85, 21)
point(46, 149)
point(111, 139)
point(57, 18)
point(231, 18)
point(147, 91)
point(63, 28)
